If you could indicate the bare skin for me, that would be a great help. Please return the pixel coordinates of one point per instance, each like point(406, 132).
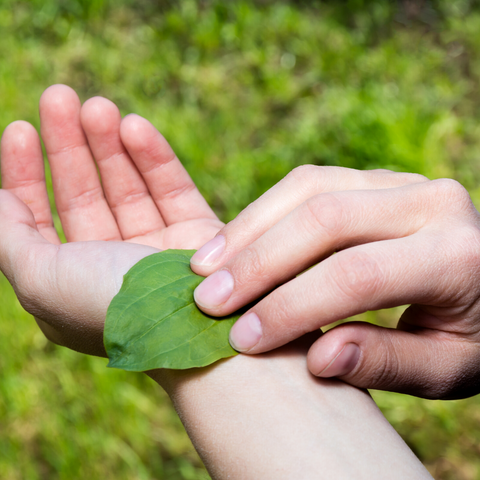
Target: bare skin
point(138, 207)
point(399, 239)
point(249, 417)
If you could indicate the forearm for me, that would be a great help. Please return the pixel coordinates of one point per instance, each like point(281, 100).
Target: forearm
point(266, 417)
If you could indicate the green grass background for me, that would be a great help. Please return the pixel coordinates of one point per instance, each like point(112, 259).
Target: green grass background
point(244, 91)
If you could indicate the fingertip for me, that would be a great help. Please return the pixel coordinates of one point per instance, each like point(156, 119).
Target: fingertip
point(370, 356)
point(322, 354)
point(133, 122)
point(338, 351)
point(342, 363)
point(136, 127)
point(20, 133)
point(20, 126)
point(60, 119)
point(214, 291)
point(246, 332)
point(57, 95)
point(139, 135)
point(58, 105)
point(97, 106)
point(206, 257)
point(132, 130)
point(21, 155)
point(98, 114)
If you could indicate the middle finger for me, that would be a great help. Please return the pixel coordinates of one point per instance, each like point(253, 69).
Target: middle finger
point(81, 205)
point(313, 231)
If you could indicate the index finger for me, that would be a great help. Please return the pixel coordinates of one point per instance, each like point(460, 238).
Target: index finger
point(79, 197)
point(297, 187)
point(368, 277)
point(324, 224)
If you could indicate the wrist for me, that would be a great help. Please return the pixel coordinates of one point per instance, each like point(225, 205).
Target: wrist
point(239, 374)
point(253, 415)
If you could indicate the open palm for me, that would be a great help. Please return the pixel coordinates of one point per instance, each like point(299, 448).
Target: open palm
point(145, 201)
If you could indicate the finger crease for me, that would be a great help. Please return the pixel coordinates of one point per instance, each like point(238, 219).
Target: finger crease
point(156, 166)
point(66, 149)
point(177, 191)
point(131, 198)
point(84, 198)
point(112, 158)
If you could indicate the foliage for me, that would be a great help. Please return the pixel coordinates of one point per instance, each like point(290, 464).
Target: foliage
point(64, 417)
point(244, 91)
point(153, 321)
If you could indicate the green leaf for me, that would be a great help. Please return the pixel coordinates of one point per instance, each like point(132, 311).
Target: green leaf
point(153, 321)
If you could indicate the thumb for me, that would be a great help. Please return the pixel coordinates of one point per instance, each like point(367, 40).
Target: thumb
point(425, 363)
point(18, 230)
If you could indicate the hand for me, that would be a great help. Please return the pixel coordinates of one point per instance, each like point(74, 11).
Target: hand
point(146, 202)
point(398, 239)
point(237, 412)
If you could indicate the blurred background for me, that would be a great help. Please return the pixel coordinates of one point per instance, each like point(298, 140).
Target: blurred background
point(244, 91)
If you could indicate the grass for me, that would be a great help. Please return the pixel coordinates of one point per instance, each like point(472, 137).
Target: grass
point(244, 91)
point(64, 416)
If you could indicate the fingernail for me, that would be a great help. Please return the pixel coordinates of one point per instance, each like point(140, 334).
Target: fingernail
point(214, 290)
point(210, 252)
point(246, 332)
point(343, 363)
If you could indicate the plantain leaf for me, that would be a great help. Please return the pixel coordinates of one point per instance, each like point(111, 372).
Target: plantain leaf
point(153, 321)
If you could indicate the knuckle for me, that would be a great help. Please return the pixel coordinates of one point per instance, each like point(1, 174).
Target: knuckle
point(452, 194)
point(411, 178)
point(467, 244)
point(326, 213)
point(356, 274)
point(310, 179)
point(282, 315)
point(302, 174)
point(418, 178)
point(252, 267)
point(246, 227)
point(283, 308)
point(398, 179)
point(459, 250)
